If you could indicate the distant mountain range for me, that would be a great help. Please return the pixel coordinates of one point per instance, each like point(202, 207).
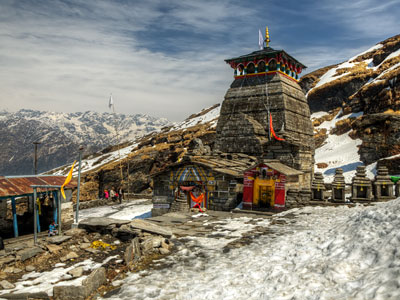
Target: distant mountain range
point(61, 135)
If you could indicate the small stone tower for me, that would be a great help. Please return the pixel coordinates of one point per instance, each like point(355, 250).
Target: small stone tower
point(265, 113)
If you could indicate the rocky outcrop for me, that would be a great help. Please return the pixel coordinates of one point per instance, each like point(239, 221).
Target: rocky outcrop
point(380, 134)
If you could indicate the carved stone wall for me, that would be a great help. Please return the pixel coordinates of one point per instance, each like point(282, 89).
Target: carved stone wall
point(243, 123)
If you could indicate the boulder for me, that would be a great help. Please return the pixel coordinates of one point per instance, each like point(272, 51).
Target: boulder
point(30, 268)
point(125, 233)
point(150, 227)
point(75, 232)
point(77, 272)
point(84, 245)
point(152, 243)
point(163, 251)
point(6, 285)
point(132, 252)
point(81, 292)
point(71, 255)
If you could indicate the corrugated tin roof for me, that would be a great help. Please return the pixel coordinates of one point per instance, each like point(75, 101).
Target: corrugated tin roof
point(21, 185)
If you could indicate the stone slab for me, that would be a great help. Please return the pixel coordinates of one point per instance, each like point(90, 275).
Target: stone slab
point(58, 239)
point(27, 296)
point(150, 227)
point(29, 253)
point(53, 248)
point(6, 260)
point(100, 224)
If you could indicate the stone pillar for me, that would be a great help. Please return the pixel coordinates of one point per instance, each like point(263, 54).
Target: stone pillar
point(292, 198)
point(305, 196)
point(361, 186)
point(383, 185)
point(318, 187)
point(338, 187)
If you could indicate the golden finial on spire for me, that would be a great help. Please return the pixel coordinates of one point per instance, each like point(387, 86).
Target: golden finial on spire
point(267, 40)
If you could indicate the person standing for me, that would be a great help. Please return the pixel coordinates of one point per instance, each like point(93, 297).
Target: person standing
point(113, 195)
point(120, 194)
point(106, 194)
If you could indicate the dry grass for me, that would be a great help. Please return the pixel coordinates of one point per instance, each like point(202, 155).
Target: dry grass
point(392, 112)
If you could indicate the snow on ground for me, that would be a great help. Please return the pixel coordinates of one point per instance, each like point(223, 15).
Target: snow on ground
point(330, 74)
point(212, 115)
point(126, 211)
point(323, 253)
point(339, 151)
point(34, 282)
point(43, 282)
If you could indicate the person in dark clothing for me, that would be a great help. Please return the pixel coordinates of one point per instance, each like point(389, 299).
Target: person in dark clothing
point(1, 244)
point(120, 194)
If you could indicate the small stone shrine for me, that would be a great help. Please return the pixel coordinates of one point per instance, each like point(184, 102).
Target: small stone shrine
point(397, 189)
point(265, 113)
point(338, 186)
point(318, 187)
point(361, 187)
point(383, 185)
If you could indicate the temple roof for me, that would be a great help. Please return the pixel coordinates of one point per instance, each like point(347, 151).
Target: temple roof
point(259, 54)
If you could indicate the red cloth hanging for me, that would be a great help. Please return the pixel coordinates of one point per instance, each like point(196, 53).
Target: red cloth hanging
point(199, 199)
point(271, 128)
point(187, 188)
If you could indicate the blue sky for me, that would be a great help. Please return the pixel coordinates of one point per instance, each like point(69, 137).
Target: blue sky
point(165, 58)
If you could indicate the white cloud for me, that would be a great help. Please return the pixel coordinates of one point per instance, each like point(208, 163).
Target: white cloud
point(163, 58)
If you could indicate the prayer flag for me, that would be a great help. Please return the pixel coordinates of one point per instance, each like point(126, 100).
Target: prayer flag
point(272, 129)
point(110, 102)
point(67, 180)
point(260, 40)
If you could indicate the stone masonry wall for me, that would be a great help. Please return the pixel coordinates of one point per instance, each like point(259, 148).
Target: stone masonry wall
point(243, 123)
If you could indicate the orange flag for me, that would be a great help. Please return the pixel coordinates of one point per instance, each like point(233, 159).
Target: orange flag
point(272, 129)
point(67, 180)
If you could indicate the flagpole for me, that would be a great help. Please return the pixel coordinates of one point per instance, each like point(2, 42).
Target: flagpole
point(111, 103)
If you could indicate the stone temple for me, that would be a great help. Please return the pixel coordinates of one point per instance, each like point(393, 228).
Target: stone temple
point(265, 113)
point(264, 143)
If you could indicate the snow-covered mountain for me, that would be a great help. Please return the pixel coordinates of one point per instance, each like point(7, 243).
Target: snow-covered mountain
point(356, 111)
point(61, 134)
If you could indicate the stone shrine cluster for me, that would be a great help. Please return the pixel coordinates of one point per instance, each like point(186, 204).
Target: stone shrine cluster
point(362, 189)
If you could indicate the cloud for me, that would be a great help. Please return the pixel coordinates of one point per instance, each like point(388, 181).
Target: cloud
point(163, 58)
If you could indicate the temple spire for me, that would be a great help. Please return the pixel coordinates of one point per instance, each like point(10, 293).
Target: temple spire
point(267, 40)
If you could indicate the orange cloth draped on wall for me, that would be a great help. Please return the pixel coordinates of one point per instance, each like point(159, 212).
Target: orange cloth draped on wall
point(272, 129)
point(199, 199)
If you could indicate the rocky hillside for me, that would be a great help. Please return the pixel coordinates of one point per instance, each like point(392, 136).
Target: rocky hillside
point(61, 135)
point(362, 97)
point(136, 160)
